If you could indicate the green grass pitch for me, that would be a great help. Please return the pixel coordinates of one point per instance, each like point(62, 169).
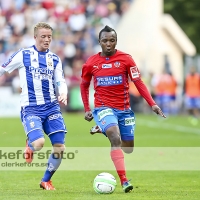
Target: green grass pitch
point(151, 131)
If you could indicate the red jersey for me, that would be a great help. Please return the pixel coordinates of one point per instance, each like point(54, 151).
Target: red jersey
point(110, 76)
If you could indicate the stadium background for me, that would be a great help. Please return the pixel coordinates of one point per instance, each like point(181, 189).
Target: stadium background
point(74, 42)
point(76, 26)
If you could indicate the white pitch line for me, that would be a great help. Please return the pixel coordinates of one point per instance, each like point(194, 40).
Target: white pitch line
point(168, 126)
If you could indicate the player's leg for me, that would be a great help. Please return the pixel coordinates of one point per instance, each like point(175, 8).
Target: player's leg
point(126, 123)
point(190, 105)
point(117, 156)
point(116, 153)
point(196, 107)
point(57, 140)
point(127, 126)
point(55, 128)
point(126, 120)
point(35, 142)
point(35, 138)
point(108, 123)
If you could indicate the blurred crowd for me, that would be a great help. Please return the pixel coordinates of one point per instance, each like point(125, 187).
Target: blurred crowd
point(163, 88)
point(76, 25)
point(172, 97)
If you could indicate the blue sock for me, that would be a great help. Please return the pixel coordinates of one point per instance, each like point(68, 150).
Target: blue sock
point(53, 164)
point(31, 146)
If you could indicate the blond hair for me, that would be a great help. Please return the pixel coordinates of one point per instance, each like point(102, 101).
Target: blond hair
point(41, 25)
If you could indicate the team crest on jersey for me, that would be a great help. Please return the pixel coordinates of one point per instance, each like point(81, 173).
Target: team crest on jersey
point(32, 124)
point(106, 66)
point(117, 64)
point(50, 64)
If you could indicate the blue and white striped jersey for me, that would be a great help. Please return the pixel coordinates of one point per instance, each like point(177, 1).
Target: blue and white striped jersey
point(39, 73)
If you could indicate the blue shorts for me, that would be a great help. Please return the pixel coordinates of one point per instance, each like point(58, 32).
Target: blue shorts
point(192, 102)
point(47, 118)
point(106, 117)
point(164, 99)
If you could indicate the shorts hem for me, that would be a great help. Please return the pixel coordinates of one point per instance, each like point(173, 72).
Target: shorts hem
point(109, 125)
point(127, 138)
point(56, 132)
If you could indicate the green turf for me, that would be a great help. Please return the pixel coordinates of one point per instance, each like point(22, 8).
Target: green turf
point(151, 131)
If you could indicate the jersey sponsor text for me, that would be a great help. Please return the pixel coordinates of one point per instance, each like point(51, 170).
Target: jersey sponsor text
point(109, 80)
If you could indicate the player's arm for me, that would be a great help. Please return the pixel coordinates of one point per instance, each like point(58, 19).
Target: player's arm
point(2, 71)
point(61, 83)
point(84, 87)
point(141, 87)
point(13, 62)
point(134, 75)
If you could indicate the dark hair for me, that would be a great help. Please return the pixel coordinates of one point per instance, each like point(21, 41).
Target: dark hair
point(107, 29)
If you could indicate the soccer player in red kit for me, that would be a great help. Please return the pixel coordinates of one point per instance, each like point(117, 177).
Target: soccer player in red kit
point(111, 70)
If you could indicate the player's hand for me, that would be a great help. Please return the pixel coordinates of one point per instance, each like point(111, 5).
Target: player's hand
point(63, 98)
point(88, 116)
point(158, 111)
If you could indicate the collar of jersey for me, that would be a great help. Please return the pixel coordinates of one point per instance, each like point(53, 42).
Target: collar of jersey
point(41, 52)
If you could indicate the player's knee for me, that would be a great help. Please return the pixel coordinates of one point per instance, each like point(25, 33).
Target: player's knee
point(128, 150)
point(38, 144)
point(62, 149)
point(115, 141)
point(59, 148)
point(114, 136)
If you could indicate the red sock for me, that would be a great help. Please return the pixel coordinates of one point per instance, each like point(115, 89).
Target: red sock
point(117, 157)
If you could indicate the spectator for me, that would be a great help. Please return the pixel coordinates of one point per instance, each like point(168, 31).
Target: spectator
point(192, 92)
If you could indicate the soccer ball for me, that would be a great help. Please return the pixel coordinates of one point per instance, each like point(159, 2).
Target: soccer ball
point(104, 183)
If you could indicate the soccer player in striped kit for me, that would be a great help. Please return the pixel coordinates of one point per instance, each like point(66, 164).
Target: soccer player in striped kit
point(110, 70)
point(40, 72)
